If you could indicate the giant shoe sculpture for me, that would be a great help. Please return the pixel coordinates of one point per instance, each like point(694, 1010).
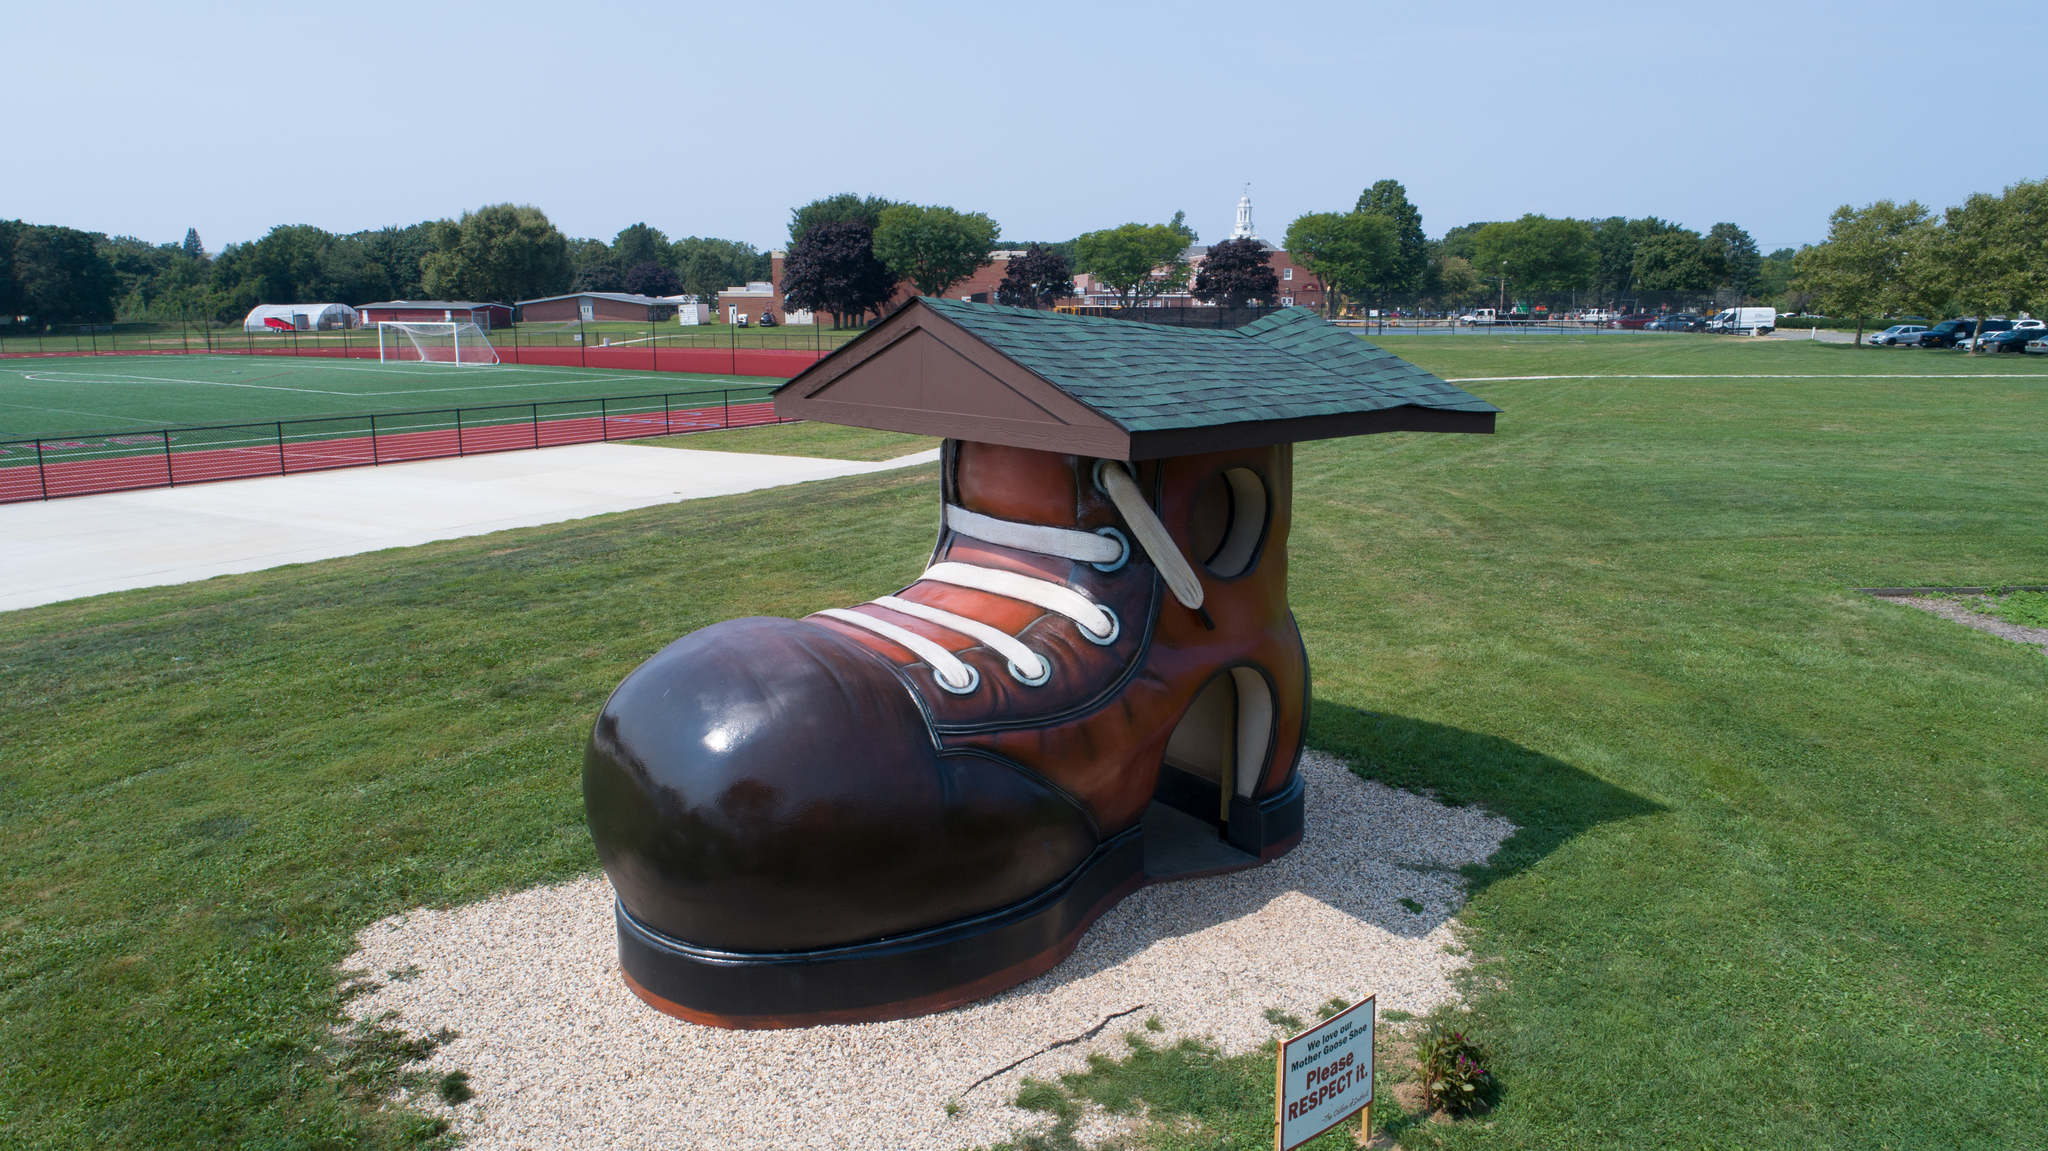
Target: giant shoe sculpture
point(907, 804)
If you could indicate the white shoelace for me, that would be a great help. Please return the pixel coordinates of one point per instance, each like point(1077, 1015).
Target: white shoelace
point(1105, 548)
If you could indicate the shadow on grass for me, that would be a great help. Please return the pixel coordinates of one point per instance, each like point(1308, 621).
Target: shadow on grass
point(1550, 801)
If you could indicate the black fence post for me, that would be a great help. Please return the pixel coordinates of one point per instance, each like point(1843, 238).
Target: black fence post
point(725, 398)
point(281, 470)
point(170, 475)
point(373, 439)
point(667, 425)
point(536, 422)
point(184, 340)
point(458, 432)
point(42, 477)
point(582, 341)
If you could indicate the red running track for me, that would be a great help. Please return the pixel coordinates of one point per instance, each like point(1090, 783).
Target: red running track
point(704, 361)
point(142, 461)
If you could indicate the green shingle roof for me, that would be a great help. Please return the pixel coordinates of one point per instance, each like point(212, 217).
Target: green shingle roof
point(1155, 377)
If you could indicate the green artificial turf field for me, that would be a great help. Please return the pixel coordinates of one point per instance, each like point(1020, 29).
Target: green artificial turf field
point(1777, 885)
point(45, 397)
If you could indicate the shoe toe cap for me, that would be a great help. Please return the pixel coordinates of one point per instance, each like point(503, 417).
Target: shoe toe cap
point(768, 785)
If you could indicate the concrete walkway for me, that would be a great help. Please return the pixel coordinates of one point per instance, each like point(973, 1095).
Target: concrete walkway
point(65, 549)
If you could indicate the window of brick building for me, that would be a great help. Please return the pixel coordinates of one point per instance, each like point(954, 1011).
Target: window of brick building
point(1287, 273)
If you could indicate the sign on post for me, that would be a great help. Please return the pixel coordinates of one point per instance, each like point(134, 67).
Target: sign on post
point(1325, 1077)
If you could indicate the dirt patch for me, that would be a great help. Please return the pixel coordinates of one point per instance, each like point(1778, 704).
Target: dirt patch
point(1957, 609)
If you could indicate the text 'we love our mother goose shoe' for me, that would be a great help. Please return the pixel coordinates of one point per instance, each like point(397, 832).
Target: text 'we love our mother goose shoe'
point(907, 804)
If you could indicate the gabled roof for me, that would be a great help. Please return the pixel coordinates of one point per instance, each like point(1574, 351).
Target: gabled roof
point(1098, 386)
point(444, 305)
point(622, 297)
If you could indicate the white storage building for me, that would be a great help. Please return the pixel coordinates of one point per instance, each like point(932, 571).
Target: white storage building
point(301, 317)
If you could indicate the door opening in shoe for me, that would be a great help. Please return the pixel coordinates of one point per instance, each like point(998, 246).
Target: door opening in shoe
point(1229, 522)
point(1214, 760)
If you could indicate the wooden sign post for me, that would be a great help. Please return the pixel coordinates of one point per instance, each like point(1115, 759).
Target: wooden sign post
point(1324, 1076)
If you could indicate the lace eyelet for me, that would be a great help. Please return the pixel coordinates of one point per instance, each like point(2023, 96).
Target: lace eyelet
point(1017, 673)
point(1097, 473)
point(973, 680)
point(1116, 628)
point(1123, 541)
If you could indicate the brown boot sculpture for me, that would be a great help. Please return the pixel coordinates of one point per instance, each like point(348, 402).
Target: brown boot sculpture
point(908, 804)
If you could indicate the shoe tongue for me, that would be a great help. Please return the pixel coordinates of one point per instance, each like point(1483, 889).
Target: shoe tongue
point(1018, 484)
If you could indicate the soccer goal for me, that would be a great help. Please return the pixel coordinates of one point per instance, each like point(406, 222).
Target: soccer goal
point(433, 343)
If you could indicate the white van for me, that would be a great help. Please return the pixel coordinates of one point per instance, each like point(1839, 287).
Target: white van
point(1744, 321)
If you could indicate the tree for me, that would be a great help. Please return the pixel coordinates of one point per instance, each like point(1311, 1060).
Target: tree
point(1129, 257)
point(844, 208)
point(1353, 254)
point(1614, 245)
point(1458, 241)
point(399, 251)
point(1537, 253)
point(1456, 280)
point(1860, 269)
point(639, 244)
point(1774, 275)
point(934, 247)
point(709, 266)
point(1235, 273)
point(1739, 258)
point(1389, 199)
point(1680, 261)
point(194, 250)
point(500, 252)
point(1036, 279)
point(1989, 256)
point(648, 278)
point(833, 269)
point(60, 275)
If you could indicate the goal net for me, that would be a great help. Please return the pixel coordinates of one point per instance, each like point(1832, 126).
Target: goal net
point(433, 343)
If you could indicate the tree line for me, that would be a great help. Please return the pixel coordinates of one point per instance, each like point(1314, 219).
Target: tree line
point(1987, 256)
point(505, 252)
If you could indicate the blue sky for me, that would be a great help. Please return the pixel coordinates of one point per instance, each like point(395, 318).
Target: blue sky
point(1053, 118)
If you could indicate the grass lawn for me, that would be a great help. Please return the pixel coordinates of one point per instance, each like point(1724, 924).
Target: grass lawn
point(1778, 883)
point(821, 441)
point(107, 393)
point(172, 337)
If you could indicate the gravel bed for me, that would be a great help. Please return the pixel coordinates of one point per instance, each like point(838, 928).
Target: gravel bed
point(560, 1054)
point(1959, 612)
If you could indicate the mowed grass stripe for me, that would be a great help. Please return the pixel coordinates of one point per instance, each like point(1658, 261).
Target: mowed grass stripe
point(1777, 885)
point(47, 398)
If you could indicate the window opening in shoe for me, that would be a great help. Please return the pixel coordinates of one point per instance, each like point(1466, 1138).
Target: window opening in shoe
point(1229, 522)
point(1225, 735)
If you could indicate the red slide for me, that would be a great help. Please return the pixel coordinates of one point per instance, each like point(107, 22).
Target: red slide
point(277, 325)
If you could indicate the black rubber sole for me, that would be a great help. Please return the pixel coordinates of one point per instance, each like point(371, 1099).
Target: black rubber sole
point(927, 971)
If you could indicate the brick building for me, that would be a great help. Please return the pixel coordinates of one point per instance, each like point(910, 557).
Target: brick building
point(485, 316)
point(594, 307)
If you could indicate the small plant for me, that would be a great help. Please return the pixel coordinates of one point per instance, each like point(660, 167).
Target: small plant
point(454, 1088)
point(2025, 608)
point(1453, 1072)
point(1330, 1009)
point(1153, 1023)
point(952, 1108)
point(1412, 906)
point(1396, 1015)
point(1279, 1018)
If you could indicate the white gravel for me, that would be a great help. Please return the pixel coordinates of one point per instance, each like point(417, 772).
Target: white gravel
point(560, 1054)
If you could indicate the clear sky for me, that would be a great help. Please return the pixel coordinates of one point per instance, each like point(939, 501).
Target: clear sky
point(1053, 118)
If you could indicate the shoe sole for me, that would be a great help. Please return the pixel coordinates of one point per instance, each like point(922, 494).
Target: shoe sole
point(927, 971)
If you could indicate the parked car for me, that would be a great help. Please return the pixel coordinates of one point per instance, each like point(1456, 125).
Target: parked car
point(2012, 339)
point(1634, 321)
point(1679, 322)
point(2037, 347)
point(768, 319)
point(1949, 333)
point(1892, 337)
point(2029, 325)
